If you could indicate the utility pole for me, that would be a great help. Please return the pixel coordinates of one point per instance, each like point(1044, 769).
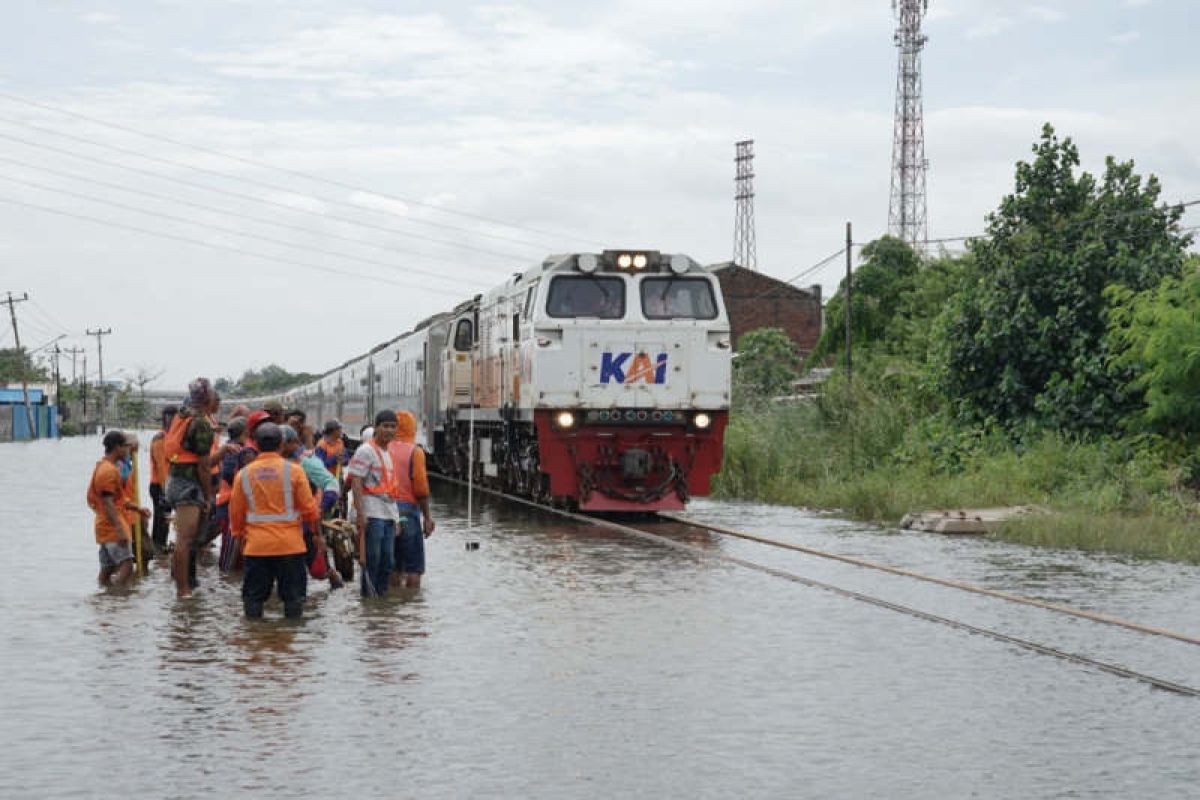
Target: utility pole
point(72, 352)
point(12, 301)
point(907, 214)
point(849, 298)
point(83, 391)
point(744, 244)
point(57, 384)
point(100, 334)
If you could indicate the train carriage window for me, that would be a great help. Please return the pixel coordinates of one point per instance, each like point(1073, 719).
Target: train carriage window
point(586, 296)
point(463, 338)
point(678, 298)
point(528, 311)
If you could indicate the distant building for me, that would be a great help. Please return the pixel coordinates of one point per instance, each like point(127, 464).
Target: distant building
point(14, 424)
point(755, 300)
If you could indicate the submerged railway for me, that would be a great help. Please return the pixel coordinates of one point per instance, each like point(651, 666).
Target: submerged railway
point(648, 533)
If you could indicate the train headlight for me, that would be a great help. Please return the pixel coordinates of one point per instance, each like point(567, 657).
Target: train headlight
point(625, 261)
point(565, 419)
point(680, 264)
point(587, 263)
point(639, 261)
point(702, 420)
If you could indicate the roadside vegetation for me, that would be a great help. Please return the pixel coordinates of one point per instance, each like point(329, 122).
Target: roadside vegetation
point(1055, 364)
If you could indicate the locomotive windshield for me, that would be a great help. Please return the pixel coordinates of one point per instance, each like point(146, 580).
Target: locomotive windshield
point(586, 296)
point(678, 298)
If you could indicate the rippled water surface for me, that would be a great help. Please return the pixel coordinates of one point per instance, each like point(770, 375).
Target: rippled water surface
point(562, 661)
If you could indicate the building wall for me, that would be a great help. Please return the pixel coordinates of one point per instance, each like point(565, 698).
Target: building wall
point(754, 301)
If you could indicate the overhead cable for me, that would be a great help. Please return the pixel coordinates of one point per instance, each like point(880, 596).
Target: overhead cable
point(261, 184)
point(225, 248)
point(283, 170)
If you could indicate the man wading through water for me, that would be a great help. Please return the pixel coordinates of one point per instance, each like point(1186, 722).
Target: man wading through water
point(189, 444)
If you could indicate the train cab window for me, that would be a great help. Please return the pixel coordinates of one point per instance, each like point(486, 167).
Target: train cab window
point(463, 336)
point(586, 296)
point(678, 298)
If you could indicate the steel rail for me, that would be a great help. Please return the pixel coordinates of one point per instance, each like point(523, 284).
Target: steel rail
point(1093, 616)
point(1025, 644)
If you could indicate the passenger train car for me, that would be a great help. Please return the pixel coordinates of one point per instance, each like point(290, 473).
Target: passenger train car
point(597, 380)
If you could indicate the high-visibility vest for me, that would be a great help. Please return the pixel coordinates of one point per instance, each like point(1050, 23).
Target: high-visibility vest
point(253, 515)
point(158, 460)
point(332, 451)
point(173, 443)
point(402, 464)
point(387, 482)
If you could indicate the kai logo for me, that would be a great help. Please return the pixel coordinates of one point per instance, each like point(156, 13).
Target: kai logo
point(628, 368)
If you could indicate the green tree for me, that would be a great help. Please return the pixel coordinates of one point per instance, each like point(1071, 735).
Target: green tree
point(766, 363)
point(17, 365)
point(888, 270)
point(271, 378)
point(1025, 342)
point(1155, 335)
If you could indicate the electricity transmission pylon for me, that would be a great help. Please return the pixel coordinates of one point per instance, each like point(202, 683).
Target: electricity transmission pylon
point(744, 245)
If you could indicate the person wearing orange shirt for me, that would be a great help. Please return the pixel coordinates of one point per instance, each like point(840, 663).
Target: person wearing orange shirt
point(106, 498)
point(158, 480)
point(412, 502)
point(270, 502)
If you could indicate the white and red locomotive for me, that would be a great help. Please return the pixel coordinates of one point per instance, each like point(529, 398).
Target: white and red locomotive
point(598, 380)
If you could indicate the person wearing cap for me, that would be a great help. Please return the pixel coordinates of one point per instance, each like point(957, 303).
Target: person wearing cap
point(159, 468)
point(274, 409)
point(412, 502)
point(372, 478)
point(250, 450)
point(229, 558)
point(270, 503)
point(190, 445)
point(330, 448)
point(106, 498)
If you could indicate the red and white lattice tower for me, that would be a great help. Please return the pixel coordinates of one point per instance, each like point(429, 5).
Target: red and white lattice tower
point(907, 214)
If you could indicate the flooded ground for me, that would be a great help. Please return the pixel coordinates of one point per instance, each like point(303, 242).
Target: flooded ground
point(561, 661)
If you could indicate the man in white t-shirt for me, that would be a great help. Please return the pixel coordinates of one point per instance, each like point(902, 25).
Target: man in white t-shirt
point(372, 477)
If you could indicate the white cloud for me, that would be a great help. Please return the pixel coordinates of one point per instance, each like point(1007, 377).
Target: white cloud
point(1046, 13)
point(378, 203)
point(1128, 37)
point(99, 18)
point(991, 25)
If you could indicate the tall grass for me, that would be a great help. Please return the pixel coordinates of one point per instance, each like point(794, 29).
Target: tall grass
point(876, 450)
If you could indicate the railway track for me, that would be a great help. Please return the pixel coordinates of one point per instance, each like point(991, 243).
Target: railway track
point(878, 602)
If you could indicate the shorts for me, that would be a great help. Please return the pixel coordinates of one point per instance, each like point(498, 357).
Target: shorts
point(114, 554)
point(410, 540)
point(185, 492)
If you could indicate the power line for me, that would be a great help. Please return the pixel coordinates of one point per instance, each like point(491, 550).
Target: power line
point(1183, 205)
point(227, 230)
point(801, 274)
point(285, 171)
point(241, 196)
point(222, 211)
point(226, 248)
point(251, 181)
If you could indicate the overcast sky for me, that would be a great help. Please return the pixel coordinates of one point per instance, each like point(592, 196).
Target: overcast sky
point(493, 134)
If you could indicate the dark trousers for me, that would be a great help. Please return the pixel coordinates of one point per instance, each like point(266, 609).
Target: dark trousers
point(160, 527)
point(288, 573)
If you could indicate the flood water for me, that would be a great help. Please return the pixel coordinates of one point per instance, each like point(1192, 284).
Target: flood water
point(562, 661)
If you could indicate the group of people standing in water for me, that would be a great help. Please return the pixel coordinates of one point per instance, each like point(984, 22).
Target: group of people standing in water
point(264, 490)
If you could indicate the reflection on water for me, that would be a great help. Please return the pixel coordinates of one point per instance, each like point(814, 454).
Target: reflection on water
point(558, 660)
